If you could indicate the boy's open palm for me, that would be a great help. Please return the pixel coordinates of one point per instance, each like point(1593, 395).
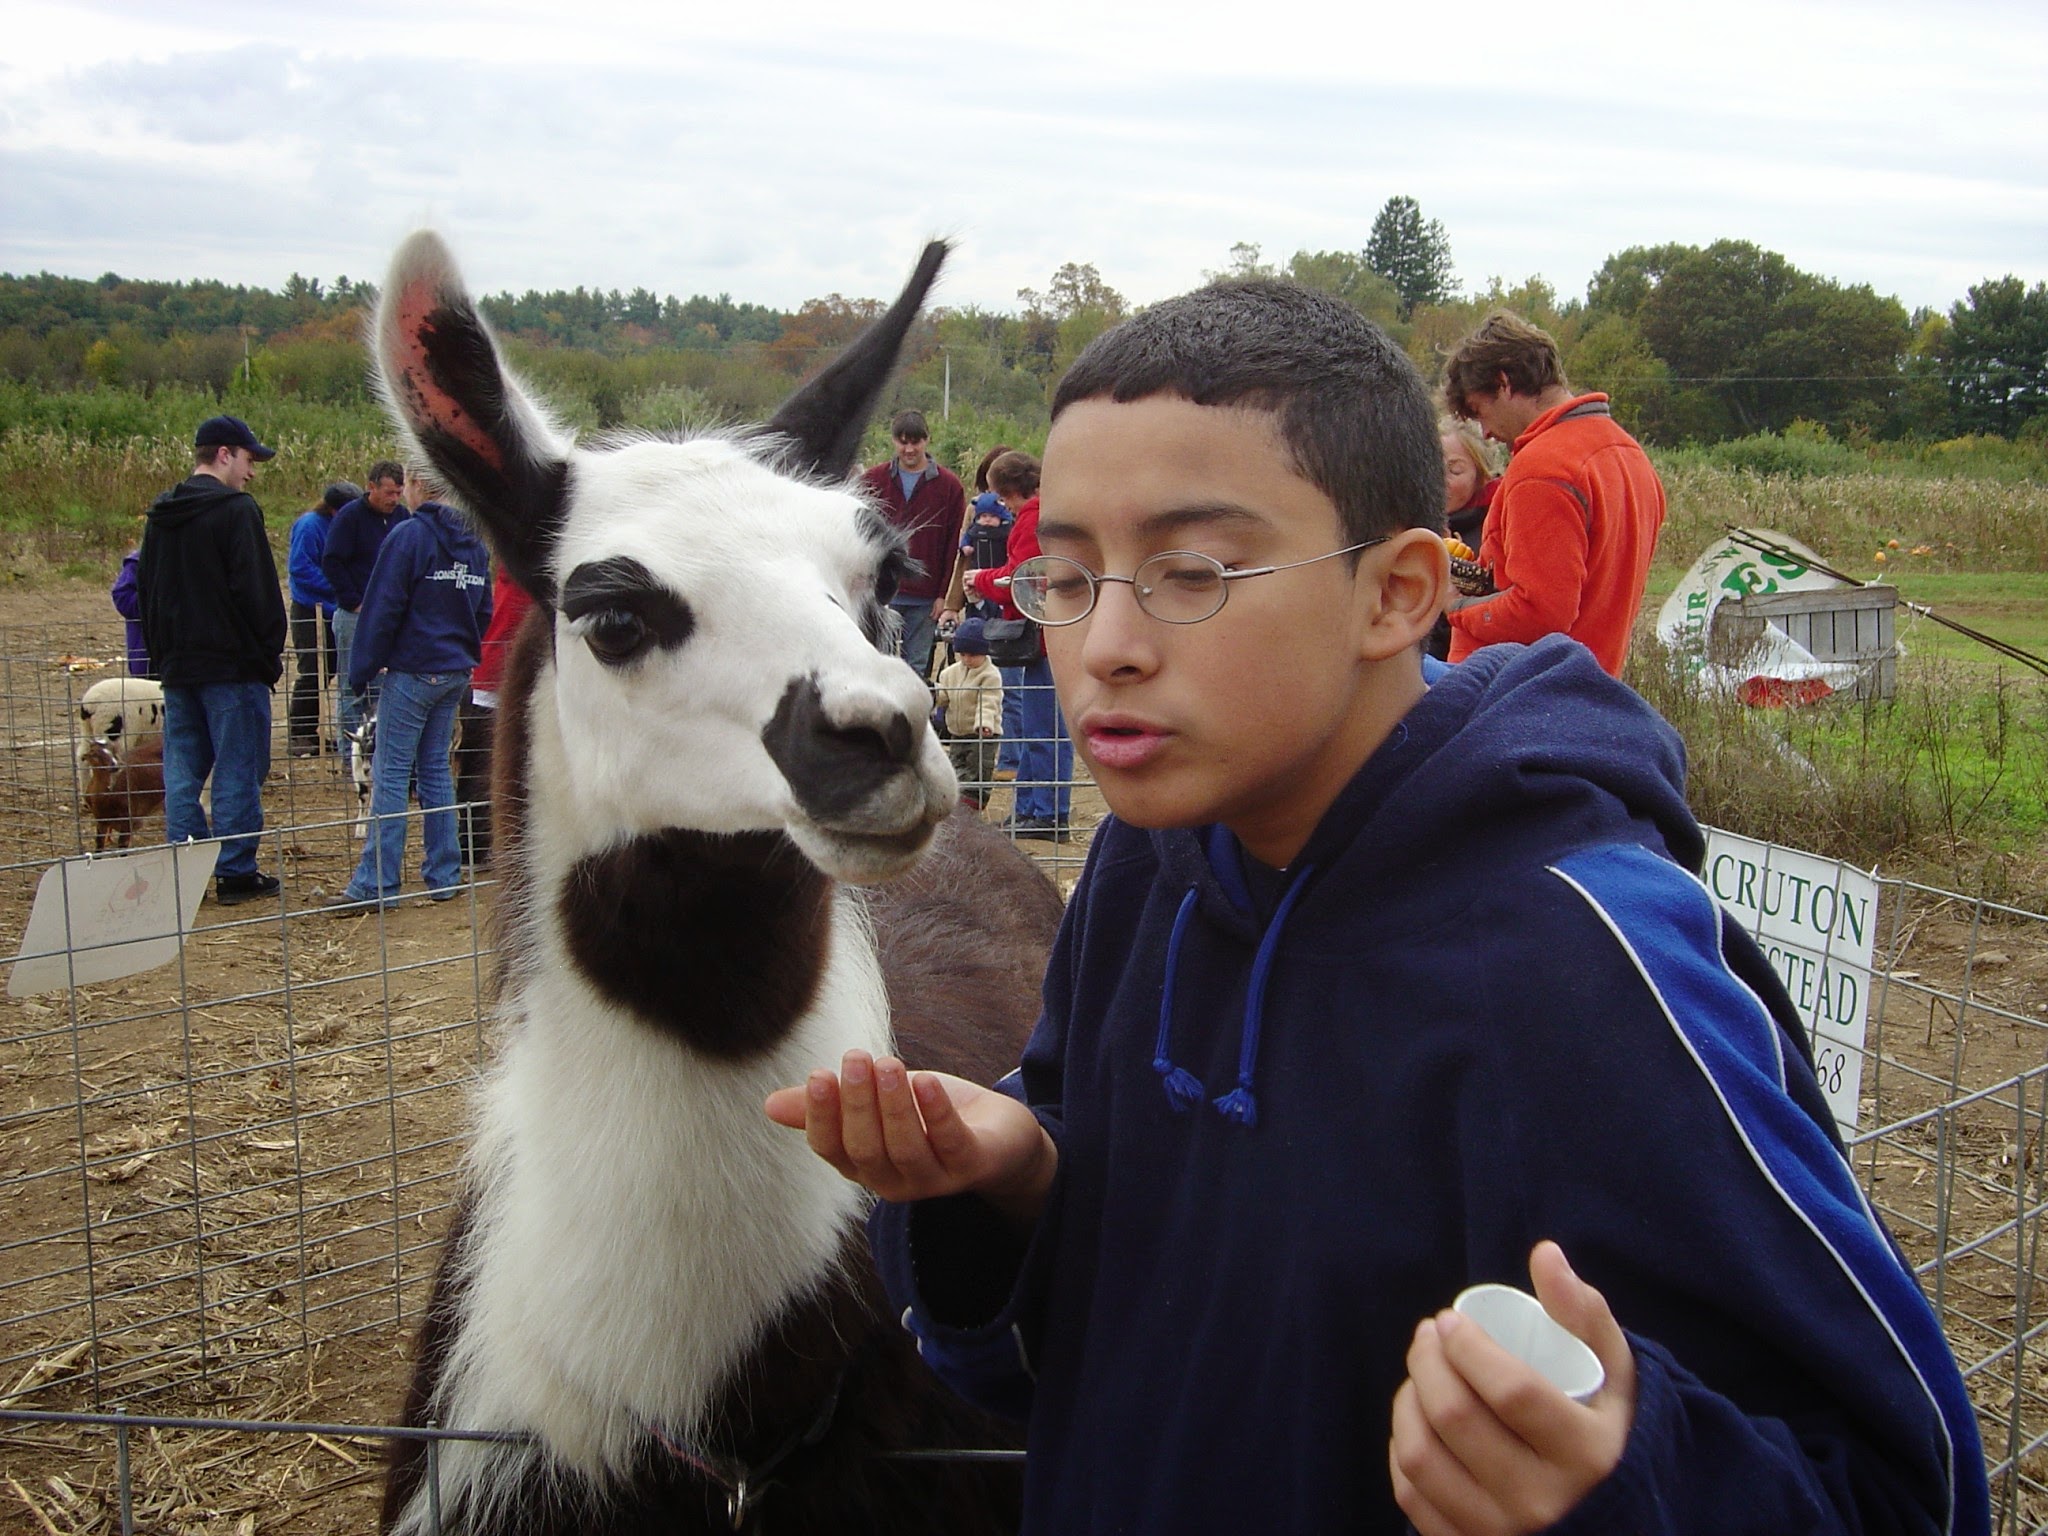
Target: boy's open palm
point(1484, 1446)
point(911, 1136)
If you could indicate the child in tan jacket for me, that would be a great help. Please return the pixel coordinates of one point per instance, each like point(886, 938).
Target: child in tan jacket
point(970, 691)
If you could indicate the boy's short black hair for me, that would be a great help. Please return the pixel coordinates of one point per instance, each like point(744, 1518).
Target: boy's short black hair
point(1351, 408)
point(909, 427)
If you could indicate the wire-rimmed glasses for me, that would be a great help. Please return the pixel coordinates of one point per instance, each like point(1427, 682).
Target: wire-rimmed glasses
point(1177, 586)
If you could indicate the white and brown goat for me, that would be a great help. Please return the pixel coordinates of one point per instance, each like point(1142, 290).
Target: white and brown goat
point(666, 1298)
point(122, 792)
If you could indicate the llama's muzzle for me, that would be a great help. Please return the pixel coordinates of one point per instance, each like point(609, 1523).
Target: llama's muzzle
point(856, 765)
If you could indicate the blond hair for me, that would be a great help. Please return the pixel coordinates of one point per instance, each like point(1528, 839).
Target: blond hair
point(1476, 447)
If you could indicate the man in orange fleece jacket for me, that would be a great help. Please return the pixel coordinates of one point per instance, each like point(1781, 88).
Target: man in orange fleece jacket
point(1575, 520)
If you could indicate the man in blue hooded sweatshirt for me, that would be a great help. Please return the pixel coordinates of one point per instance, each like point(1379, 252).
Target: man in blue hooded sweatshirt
point(424, 612)
point(1371, 992)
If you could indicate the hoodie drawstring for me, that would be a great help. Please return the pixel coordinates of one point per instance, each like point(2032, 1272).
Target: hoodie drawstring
point(1183, 1089)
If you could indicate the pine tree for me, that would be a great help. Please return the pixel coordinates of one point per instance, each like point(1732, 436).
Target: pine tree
point(1412, 254)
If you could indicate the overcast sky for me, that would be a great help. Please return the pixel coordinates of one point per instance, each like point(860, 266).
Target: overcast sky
point(783, 149)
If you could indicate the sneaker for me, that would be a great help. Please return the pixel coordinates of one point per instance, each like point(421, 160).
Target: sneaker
point(346, 905)
point(233, 890)
point(1042, 827)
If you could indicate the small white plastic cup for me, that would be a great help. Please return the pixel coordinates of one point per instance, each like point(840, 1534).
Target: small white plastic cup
point(1516, 1321)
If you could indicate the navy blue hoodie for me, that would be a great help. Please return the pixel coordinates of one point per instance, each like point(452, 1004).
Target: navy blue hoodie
point(427, 602)
point(354, 540)
point(1488, 1004)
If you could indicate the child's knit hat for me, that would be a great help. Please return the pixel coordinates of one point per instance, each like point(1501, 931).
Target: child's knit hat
point(970, 639)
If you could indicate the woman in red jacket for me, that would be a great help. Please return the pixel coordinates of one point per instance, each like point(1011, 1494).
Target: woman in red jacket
point(1045, 755)
point(478, 715)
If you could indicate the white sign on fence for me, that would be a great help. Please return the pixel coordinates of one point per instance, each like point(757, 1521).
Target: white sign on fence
point(110, 916)
point(1816, 921)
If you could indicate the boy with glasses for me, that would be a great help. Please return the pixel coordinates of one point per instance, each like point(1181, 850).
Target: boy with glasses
point(1371, 992)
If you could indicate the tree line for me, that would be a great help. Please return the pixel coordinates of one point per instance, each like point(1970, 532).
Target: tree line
point(1695, 343)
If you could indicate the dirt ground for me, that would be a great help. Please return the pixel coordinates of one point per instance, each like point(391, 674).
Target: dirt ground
point(225, 1179)
point(271, 1125)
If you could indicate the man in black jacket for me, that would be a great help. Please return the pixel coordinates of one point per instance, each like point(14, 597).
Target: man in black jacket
point(215, 621)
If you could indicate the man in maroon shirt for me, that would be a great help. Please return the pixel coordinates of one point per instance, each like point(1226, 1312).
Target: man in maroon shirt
point(925, 500)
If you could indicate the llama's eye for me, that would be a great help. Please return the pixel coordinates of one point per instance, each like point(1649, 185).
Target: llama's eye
point(617, 608)
point(895, 566)
point(616, 635)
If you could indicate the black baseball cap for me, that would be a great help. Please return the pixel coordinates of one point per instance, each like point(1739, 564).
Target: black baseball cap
point(230, 432)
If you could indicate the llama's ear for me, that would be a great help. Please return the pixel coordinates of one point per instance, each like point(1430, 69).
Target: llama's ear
point(450, 394)
point(825, 419)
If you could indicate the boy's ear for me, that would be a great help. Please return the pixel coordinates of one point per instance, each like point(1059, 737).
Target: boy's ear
point(1412, 584)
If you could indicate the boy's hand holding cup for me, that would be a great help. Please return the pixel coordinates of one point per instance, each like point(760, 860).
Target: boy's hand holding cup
point(1487, 1442)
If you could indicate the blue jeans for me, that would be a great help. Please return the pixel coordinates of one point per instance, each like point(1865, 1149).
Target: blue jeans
point(920, 624)
point(351, 707)
point(1013, 717)
point(222, 730)
point(1045, 755)
point(415, 729)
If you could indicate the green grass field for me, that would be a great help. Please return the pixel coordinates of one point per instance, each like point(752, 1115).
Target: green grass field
point(2010, 605)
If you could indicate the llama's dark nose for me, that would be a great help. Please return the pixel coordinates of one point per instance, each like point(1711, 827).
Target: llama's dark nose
point(834, 768)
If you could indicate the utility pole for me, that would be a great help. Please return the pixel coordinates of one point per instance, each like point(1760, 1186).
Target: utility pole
point(946, 397)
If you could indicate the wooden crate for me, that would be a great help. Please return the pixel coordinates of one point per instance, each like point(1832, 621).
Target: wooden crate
point(1843, 624)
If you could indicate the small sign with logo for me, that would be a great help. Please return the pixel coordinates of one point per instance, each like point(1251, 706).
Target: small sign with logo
point(111, 915)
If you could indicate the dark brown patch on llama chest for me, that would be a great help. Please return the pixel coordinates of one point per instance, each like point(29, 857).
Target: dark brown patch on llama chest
point(718, 940)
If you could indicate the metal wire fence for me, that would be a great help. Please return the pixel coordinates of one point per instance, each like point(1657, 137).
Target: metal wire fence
point(226, 1177)
point(1951, 1146)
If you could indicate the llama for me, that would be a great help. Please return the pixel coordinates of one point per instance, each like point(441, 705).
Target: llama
point(122, 711)
point(663, 1296)
point(121, 793)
